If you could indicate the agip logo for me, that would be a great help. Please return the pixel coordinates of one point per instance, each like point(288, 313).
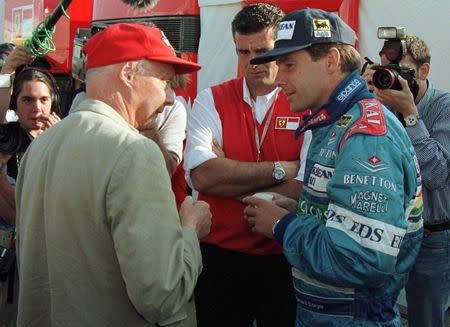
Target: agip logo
point(321, 27)
point(321, 24)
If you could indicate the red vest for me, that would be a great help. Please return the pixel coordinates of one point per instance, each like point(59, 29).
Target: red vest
point(179, 185)
point(229, 229)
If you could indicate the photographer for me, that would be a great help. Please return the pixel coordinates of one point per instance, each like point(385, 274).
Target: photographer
point(427, 122)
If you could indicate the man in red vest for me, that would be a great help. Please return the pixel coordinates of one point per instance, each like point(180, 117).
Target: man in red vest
point(240, 140)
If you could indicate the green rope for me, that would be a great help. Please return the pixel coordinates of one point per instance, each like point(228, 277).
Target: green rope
point(41, 43)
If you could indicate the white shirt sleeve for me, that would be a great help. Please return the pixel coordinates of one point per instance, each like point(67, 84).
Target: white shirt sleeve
point(303, 154)
point(171, 124)
point(204, 126)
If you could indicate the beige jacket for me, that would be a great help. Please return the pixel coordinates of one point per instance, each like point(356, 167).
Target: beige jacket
point(99, 238)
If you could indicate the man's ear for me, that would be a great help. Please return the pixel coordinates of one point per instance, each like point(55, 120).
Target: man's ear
point(333, 60)
point(127, 73)
point(423, 71)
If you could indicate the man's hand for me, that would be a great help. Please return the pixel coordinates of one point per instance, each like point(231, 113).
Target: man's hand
point(17, 58)
point(262, 214)
point(48, 120)
point(368, 75)
point(196, 215)
point(151, 129)
point(284, 202)
point(4, 158)
point(400, 101)
point(217, 149)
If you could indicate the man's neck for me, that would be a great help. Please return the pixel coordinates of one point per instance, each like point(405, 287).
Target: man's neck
point(116, 101)
point(260, 90)
point(329, 87)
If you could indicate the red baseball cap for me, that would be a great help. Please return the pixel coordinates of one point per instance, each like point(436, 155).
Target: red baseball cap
point(123, 42)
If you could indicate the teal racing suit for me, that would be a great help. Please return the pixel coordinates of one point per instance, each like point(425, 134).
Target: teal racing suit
point(358, 226)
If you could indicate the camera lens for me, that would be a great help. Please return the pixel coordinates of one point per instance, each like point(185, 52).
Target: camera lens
point(384, 78)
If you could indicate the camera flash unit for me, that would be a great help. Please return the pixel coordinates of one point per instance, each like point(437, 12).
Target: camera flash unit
point(391, 32)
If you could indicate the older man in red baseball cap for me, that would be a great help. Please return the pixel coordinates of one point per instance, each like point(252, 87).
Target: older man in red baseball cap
point(100, 242)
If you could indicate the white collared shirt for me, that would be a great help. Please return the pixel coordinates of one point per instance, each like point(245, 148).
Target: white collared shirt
point(204, 126)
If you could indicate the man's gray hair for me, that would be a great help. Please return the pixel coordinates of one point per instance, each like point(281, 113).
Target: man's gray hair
point(139, 64)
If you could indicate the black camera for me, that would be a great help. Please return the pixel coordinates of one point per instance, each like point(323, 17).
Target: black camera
point(394, 48)
point(13, 138)
point(386, 77)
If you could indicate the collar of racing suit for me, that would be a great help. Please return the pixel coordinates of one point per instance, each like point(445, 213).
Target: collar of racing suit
point(351, 90)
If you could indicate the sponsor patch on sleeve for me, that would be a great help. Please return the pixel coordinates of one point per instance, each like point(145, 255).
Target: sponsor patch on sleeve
point(319, 178)
point(372, 121)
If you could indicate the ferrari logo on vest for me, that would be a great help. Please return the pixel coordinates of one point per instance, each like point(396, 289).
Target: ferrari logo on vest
point(281, 122)
point(288, 123)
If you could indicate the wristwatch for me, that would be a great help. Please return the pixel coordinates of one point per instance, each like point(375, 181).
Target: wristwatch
point(5, 81)
point(278, 172)
point(411, 120)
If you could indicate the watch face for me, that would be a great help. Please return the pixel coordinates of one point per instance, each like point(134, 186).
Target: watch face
point(278, 174)
point(410, 120)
